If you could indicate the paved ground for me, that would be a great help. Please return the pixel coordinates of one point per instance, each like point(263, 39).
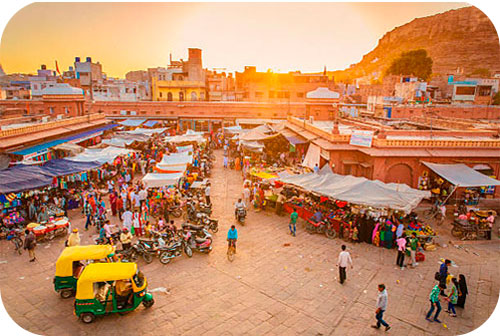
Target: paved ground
point(278, 285)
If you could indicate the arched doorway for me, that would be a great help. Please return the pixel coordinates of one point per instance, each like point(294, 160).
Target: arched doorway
point(193, 96)
point(181, 96)
point(400, 173)
point(170, 97)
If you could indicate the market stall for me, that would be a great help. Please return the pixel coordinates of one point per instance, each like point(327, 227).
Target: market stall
point(155, 180)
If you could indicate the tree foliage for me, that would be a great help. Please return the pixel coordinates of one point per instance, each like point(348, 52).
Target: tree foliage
point(412, 63)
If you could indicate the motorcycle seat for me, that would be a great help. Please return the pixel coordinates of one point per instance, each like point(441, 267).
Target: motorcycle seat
point(196, 227)
point(200, 240)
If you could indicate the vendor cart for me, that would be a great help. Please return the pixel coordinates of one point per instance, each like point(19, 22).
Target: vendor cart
point(50, 230)
point(464, 229)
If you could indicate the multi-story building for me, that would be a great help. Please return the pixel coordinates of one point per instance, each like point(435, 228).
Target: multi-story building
point(114, 89)
point(278, 87)
point(474, 90)
point(221, 86)
point(88, 73)
point(182, 81)
point(141, 77)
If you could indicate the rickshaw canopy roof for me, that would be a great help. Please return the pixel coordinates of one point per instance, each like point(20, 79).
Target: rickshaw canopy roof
point(64, 265)
point(101, 272)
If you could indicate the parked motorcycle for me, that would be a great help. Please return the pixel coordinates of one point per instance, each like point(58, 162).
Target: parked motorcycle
point(175, 250)
point(323, 226)
point(207, 222)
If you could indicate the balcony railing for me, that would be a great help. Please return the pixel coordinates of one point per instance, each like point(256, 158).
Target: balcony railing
point(50, 125)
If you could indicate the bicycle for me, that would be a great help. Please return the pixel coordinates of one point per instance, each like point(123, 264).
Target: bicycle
point(231, 250)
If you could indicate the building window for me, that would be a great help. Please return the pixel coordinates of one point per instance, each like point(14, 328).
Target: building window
point(143, 112)
point(202, 95)
point(51, 110)
point(66, 110)
point(181, 96)
point(161, 94)
point(158, 112)
point(272, 94)
point(169, 96)
point(300, 94)
point(465, 90)
point(115, 112)
point(194, 97)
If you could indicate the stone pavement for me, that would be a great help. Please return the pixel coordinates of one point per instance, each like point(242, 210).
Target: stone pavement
point(277, 285)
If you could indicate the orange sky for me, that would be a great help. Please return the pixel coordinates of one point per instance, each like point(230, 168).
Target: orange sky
point(133, 36)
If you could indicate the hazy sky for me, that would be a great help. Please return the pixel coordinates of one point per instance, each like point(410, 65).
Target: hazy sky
point(134, 36)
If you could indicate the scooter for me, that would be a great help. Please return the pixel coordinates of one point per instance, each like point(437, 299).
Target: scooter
point(200, 244)
point(241, 214)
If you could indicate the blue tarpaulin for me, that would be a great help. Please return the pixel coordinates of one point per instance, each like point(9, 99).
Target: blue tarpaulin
point(132, 122)
point(21, 178)
point(61, 167)
point(150, 123)
point(50, 144)
point(24, 177)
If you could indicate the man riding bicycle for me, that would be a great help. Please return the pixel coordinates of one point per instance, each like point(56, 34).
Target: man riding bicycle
point(232, 237)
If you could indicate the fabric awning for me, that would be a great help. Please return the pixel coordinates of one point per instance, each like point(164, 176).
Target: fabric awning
point(293, 138)
point(359, 190)
point(150, 123)
point(73, 138)
point(102, 156)
point(154, 180)
point(312, 156)
point(461, 175)
point(132, 122)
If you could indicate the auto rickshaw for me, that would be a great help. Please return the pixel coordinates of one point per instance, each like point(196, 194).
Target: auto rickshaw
point(105, 288)
point(69, 265)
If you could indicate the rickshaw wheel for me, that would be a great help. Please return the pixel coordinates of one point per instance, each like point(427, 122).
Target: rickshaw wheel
point(330, 233)
point(66, 293)
point(456, 232)
point(148, 257)
point(148, 304)
point(87, 317)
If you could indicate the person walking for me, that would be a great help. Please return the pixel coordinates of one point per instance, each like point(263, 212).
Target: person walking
point(74, 238)
point(30, 244)
point(453, 298)
point(413, 249)
point(435, 304)
point(127, 217)
point(443, 274)
point(293, 222)
point(462, 291)
point(381, 308)
point(401, 242)
point(342, 263)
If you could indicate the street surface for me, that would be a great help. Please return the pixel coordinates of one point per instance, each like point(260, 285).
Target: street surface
point(277, 284)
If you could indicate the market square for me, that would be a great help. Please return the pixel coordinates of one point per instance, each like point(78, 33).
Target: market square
point(188, 199)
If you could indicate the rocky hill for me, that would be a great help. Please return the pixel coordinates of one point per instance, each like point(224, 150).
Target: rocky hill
point(463, 38)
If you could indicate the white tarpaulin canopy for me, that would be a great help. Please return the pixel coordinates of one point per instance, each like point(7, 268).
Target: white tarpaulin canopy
point(102, 156)
point(186, 138)
point(154, 180)
point(175, 161)
point(312, 156)
point(147, 131)
point(461, 175)
point(183, 149)
point(359, 190)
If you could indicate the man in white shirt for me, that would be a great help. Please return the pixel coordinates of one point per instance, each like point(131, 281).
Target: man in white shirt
point(143, 194)
point(343, 261)
point(381, 308)
point(127, 219)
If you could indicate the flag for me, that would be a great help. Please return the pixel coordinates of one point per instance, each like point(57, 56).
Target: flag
point(57, 68)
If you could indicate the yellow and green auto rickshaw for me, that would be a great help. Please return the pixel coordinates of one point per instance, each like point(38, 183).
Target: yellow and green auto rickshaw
point(71, 263)
point(105, 288)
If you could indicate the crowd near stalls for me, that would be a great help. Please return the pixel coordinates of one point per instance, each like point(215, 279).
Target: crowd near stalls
point(145, 177)
point(282, 172)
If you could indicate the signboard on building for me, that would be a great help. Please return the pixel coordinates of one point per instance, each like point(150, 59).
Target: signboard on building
point(361, 138)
